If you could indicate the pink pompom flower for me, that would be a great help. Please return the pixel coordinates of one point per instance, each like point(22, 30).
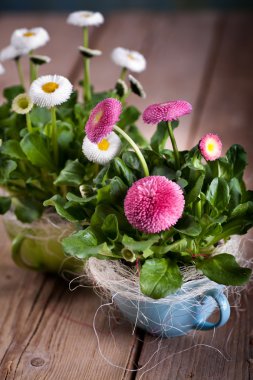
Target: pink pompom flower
point(102, 119)
point(210, 147)
point(154, 204)
point(168, 111)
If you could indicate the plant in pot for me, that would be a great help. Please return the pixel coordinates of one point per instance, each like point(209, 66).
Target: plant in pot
point(160, 227)
point(41, 160)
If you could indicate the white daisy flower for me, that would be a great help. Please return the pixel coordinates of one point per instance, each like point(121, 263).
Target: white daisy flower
point(29, 39)
point(89, 53)
point(104, 151)
point(22, 104)
point(10, 52)
point(40, 59)
point(121, 88)
point(129, 59)
point(85, 18)
point(136, 86)
point(2, 69)
point(50, 90)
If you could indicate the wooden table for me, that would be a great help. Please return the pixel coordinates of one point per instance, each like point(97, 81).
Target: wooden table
point(46, 330)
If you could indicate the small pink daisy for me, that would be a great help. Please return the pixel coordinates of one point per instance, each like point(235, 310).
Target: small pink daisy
point(102, 119)
point(210, 147)
point(168, 111)
point(154, 204)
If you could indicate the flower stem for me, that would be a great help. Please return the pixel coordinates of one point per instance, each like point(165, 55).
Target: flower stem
point(86, 61)
point(174, 145)
point(31, 68)
point(135, 148)
point(54, 134)
point(20, 72)
point(123, 73)
point(29, 123)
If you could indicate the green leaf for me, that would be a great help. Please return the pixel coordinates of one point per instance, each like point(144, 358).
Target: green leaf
point(36, 149)
point(74, 198)
point(11, 92)
point(235, 193)
point(118, 190)
point(159, 277)
point(28, 211)
point(237, 157)
point(244, 210)
point(83, 245)
point(4, 111)
point(224, 269)
point(177, 246)
point(160, 137)
point(71, 175)
point(165, 171)
point(139, 246)
point(136, 135)
point(218, 193)
point(129, 116)
point(110, 227)
point(101, 212)
point(12, 149)
point(65, 134)
point(132, 161)
point(5, 204)
point(6, 168)
point(72, 214)
point(188, 225)
point(40, 116)
point(123, 171)
point(219, 168)
point(194, 192)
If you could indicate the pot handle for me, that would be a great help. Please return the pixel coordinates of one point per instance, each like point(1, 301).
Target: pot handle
point(224, 308)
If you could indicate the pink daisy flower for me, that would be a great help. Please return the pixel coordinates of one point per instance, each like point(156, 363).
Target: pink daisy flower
point(168, 111)
point(154, 204)
point(102, 119)
point(210, 147)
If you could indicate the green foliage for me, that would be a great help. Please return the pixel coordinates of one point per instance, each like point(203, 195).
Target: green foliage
point(5, 204)
point(35, 147)
point(224, 269)
point(217, 203)
point(160, 277)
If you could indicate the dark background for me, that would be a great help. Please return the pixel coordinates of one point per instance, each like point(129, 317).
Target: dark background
point(108, 5)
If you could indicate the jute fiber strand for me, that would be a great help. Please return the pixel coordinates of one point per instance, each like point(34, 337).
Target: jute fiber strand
point(113, 277)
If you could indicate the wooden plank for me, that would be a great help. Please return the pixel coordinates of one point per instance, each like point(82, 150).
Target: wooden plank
point(45, 330)
point(48, 332)
point(218, 355)
point(227, 110)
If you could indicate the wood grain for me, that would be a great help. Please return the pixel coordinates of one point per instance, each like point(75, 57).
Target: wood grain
point(226, 110)
point(47, 331)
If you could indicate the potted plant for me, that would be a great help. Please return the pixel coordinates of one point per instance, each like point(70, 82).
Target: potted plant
point(160, 225)
point(41, 159)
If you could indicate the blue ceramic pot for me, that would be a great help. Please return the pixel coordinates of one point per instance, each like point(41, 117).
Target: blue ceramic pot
point(170, 317)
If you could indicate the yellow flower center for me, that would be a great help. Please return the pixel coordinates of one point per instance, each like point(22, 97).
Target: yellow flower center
point(104, 144)
point(210, 146)
point(98, 116)
point(130, 56)
point(23, 103)
point(86, 15)
point(50, 87)
point(29, 34)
